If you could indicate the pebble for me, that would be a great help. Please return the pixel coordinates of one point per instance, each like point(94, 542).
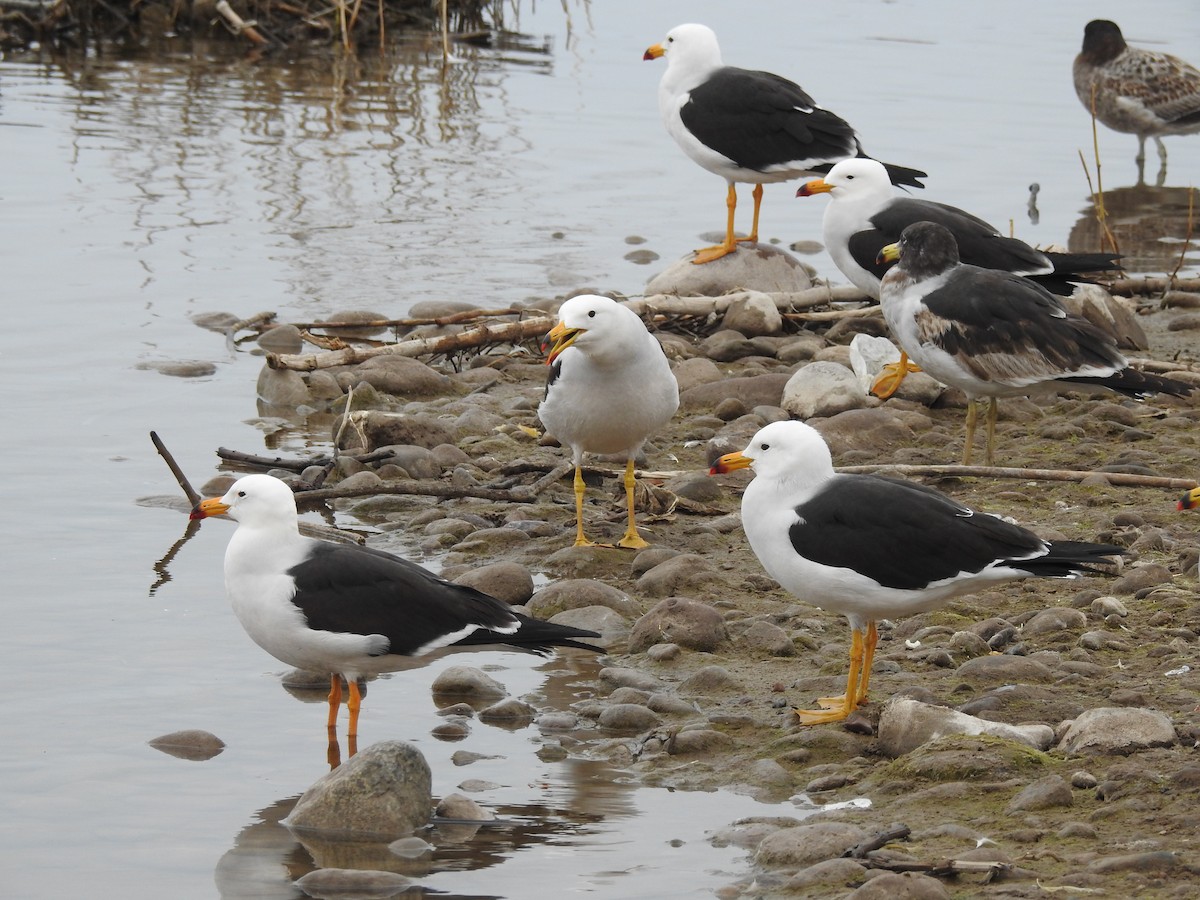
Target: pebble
point(192, 744)
point(509, 713)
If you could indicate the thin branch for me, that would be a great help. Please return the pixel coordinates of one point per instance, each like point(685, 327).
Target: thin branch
point(190, 492)
point(1119, 479)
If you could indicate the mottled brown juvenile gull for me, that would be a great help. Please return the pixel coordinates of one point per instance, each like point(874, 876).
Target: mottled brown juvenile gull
point(747, 126)
point(873, 548)
point(1136, 91)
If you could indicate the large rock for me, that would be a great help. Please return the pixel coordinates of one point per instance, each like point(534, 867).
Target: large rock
point(822, 389)
point(1117, 730)
point(804, 845)
point(758, 267)
point(905, 724)
point(578, 593)
point(507, 581)
point(863, 429)
point(752, 390)
point(467, 681)
point(675, 575)
point(382, 429)
point(403, 377)
point(679, 620)
point(383, 792)
point(753, 314)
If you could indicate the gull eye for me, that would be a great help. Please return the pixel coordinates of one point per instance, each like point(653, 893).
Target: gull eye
point(764, 446)
point(849, 177)
point(591, 314)
point(241, 493)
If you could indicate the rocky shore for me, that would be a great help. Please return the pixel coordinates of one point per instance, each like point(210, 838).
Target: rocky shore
point(1035, 737)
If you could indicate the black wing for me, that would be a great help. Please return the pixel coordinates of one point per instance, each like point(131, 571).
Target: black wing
point(758, 120)
point(902, 534)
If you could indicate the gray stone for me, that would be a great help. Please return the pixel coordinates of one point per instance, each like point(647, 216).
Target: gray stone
point(363, 883)
point(752, 390)
point(758, 267)
point(1045, 793)
point(822, 389)
point(1109, 606)
point(628, 717)
point(193, 743)
point(690, 373)
point(467, 681)
point(508, 712)
point(675, 575)
point(699, 740)
point(864, 429)
point(900, 886)
point(1057, 618)
point(621, 676)
point(803, 845)
point(403, 377)
point(754, 313)
point(1117, 730)
point(689, 623)
point(282, 387)
point(460, 806)
point(905, 724)
point(384, 429)
point(610, 625)
point(505, 581)
point(1154, 861)
point(418, 462)
point(1004, 669)
point(281, 339)
point(836, 873)
point(574, 593)
point(1141, 578)
point(707, 680)
point(383, 791)
point(767, 637)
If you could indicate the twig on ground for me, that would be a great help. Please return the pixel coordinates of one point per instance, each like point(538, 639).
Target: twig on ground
point(1117, 479)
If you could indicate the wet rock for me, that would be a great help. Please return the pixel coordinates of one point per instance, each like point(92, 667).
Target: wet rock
point(708, 680)
point(620, 676)
point(674, 575)
point(505, 581)
point(1004, 669)
point(467, 681)
point(669, 704)
point(649, 558)
point(557, 721)
point(803, 845)
point(411, 847)
point(451, 731)
point(699, 740)
point(573, 593)
point(363, 479)
point(753, 313)
point(460, 806)
point(383, 791)
point(900, 886)
point(1056, 618)
point(418, 462)
point(403, 377)
point(688, 623)
point(905, 724)
point(612, 627)
point(182, 368)
point(193, 744)
point(752, 390)
point(758, 267)
point(1045, 793)
point(748, 834)
point(628, 717)
point(352, 883)
point(509, 713)
point(1119, 730)
point(383, 429)
point(821, 389)
point(281, 387)
point(766, 637)
point(281, 339)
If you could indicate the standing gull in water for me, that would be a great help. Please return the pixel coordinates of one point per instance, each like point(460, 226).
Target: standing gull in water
point(747, 126)
point(874, 548)
point(994, 334)
point(610, 388)
point(1135, 91)
point(349, 610)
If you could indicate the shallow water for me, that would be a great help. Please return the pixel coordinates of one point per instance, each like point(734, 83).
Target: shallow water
point(139, 191)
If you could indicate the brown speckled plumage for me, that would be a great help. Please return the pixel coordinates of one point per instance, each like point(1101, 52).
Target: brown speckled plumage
point(1136, 91)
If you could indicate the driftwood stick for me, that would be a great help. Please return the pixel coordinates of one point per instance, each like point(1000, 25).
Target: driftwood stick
point(188, 491)
point(1120, 479)
point(670, 304)
point(508, 332)
point(419, 489)
point(238, 25)
point(1135, 287)
point(834, 315)
point(467, 315)
point(255, 321)
point(292, 465)
point(894, 832)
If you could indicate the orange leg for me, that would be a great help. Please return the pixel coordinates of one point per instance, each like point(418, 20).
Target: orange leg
point(631, 540)
point(708, 254)
point(848, 699)
point(335, 700)
point(889, 378)
point(354, 705)
point(969, 441)
point(757, 195)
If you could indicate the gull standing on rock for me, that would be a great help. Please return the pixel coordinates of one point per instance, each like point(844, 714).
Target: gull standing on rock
point(874, 548)
point(610, 387)
point(747, 126)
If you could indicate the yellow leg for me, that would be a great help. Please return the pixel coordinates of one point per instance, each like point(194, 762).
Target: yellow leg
point(837, 714)
point(631, 540)
point(993, 409)
point(757, 194)
point(580, 487)
point(889, 378)
point(969, 443)
point(871, 641)
point(708, 254)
